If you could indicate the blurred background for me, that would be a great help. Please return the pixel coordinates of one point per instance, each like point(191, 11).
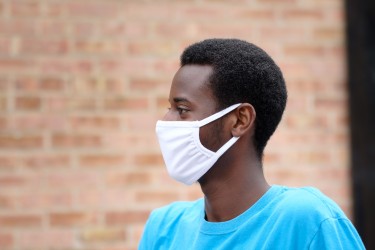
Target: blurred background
point(82, 83)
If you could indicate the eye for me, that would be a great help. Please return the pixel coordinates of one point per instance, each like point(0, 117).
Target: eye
point(182, 110)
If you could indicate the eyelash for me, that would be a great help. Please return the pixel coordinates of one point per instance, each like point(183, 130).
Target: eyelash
point(181, 110)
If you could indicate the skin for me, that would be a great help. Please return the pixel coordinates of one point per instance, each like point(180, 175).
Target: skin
point(236, 181)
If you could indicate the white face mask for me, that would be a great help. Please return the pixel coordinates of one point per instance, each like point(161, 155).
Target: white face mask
point(186, 158)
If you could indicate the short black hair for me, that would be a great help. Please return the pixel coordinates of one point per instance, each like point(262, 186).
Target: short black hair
point(243, 73)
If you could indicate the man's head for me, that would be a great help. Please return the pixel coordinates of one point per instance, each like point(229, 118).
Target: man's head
point(242, 73)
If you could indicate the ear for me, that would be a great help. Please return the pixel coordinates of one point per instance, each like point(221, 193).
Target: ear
point(244, 120)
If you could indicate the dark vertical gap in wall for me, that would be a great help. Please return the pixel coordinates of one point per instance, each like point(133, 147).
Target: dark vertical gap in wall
point(360, 30)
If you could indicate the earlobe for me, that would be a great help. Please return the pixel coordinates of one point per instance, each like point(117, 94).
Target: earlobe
point(245, 119)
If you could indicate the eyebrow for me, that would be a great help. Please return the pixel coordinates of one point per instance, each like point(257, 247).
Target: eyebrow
point(180, 99)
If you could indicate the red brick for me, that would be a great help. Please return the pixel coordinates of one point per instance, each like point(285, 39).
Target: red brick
point(54, 9)
point(126, 103)
point(44, 201)
point(21, 142)
point(39, 121)
point(6, 240)
point(36, 84)
point(92, 9)
point(330, 103)
point(43, 46)
point(303, 50)
point(124, 218)
point(25, 8)
point(67, 140)
point(56, 66)
point(6, 46)
point(147, 84)
point(264, 15)
point(329, 33)
point(46, 239)
point(278, 2)
point(95, 122)
point(28, 103)
point(101, 160)
point(102, 72)
point(3, 103)
point(140, 122)
point(103, 234)
point(4, 85)
point(142, 48)
point(156, 196)
point(148, 159)
point(301, 121)
point(128, 179)
point(98, 47)
point(14, 64)
point(48, 27)
point(7, 202)
point(71, 180)
point(9, 181)
point(57, 103)
point(8, 161)
point(97, 85)
point(84, 28)
point(17, 27)
point(303, 14)
point(20, 221)
point(72, 219)
point(46, 161)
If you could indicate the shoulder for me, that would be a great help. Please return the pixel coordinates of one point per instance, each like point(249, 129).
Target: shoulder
point(309, 202)
point(175, 211)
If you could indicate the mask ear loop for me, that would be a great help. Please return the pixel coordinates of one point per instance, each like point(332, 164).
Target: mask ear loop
point(217, 115)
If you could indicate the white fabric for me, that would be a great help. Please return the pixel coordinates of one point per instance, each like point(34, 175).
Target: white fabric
point(185, 157)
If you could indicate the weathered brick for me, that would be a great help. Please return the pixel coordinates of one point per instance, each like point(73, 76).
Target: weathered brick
point(6, 240)
point(46, 239)
point(94, 122)
point(28, 103)
point(82, 84)
point(124, 218)
point(101, 160)
point(43, 46)
point(44, 201)
point(103, 234)
point(46, 161)
point(148, 159)
point(25, 8)
point(68, 140)
point(3, 103)
point(36, 122)
point(107, 47)
point(9, 141)
point(36, 84)
point(303, 14)
point(126, 103)
point(20, 221)
point(158, 196)
point(72, 219)
point(128, 179)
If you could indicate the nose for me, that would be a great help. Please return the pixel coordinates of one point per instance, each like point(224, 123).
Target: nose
point(168, 116)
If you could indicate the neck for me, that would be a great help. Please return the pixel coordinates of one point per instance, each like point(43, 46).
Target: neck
point(231, 189)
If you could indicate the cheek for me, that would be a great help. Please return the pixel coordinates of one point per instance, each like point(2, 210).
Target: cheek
point(211, 136)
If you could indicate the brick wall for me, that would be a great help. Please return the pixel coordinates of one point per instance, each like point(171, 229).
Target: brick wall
point(82, 83)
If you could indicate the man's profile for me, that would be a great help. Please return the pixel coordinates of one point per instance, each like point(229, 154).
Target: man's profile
point(226, 101)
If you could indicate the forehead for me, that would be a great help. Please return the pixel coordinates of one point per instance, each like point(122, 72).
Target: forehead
point(191, 82)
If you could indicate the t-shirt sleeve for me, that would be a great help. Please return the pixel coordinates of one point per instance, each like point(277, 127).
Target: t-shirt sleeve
point(148, 235)
point(336, 233)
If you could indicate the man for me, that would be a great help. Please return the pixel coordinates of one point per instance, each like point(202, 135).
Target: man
point(226, 101)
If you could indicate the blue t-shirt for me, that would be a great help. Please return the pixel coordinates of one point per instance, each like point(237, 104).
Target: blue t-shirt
point(283, 218)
